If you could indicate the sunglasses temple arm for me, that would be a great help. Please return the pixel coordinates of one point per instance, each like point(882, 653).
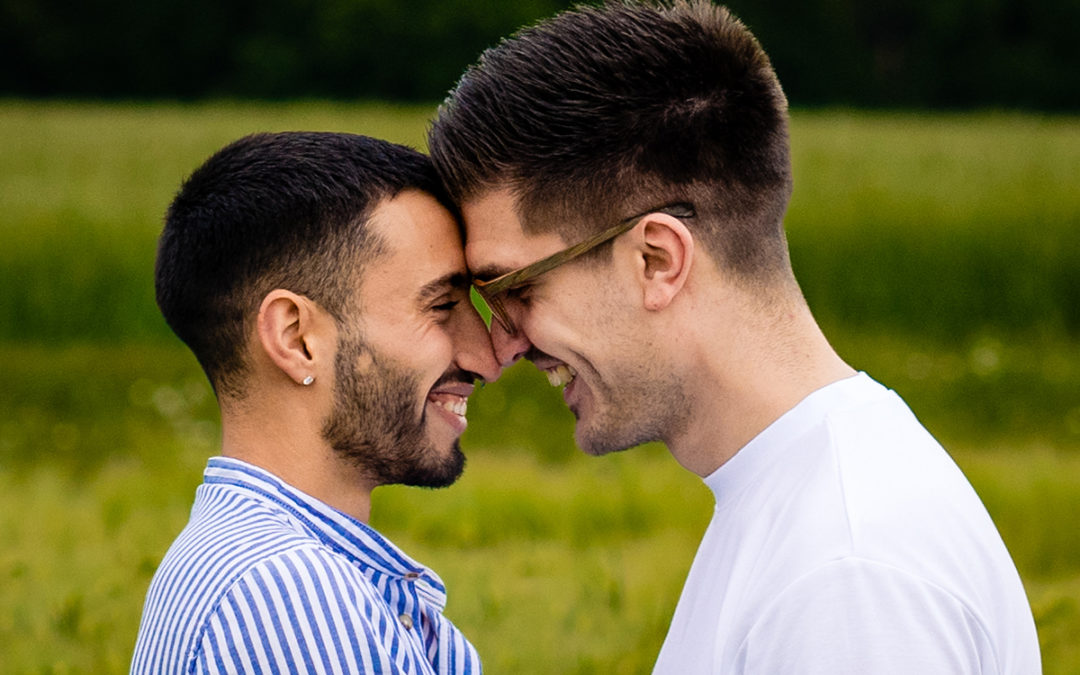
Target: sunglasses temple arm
point(551, 262)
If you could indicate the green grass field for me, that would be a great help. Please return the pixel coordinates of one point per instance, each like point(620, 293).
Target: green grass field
point(940, 252)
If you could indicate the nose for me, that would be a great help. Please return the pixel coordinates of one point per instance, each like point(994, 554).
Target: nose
point(509, 347)
point(474, 350)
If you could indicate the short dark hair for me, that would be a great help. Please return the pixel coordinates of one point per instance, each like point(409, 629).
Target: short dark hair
point(283, 210)
point(602, 112)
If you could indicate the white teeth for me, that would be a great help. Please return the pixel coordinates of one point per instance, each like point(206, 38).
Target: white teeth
point(562, 374)
point(457, 407)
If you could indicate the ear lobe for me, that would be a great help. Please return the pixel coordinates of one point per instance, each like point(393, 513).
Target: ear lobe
point(667, 254)
point(288, 328)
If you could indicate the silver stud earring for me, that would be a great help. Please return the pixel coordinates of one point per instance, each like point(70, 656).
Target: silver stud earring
point(308, 380)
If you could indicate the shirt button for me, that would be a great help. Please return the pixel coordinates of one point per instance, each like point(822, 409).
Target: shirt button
point(412, 575)
point(406, 621)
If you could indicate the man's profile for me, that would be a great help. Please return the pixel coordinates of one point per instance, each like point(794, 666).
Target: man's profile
point(320, 282)
point(623, 173)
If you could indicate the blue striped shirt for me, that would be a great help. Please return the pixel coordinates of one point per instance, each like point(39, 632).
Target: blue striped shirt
point(267, 579)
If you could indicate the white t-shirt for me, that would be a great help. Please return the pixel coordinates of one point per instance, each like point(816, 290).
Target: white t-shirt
point(846, 541)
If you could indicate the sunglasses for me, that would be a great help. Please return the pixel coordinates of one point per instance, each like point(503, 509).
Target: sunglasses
point(492, 289)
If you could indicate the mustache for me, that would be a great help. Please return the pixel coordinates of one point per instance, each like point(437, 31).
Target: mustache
point(534, 354)
point(457, 375)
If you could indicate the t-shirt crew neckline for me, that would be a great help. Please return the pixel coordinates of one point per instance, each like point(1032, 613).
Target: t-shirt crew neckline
point(773, 442)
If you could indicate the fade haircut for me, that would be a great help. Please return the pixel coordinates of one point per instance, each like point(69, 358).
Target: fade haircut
point(603, 112)
point(284, 210)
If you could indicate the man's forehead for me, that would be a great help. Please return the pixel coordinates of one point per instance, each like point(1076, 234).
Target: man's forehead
point(421, 238)
point(495, 242)
point(412, 217)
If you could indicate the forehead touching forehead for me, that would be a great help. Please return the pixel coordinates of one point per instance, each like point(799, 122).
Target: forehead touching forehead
point(496, 241)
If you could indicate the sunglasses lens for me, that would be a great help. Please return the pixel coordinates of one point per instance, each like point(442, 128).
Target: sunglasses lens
point(481, 305)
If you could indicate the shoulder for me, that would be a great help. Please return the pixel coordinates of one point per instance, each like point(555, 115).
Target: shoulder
point(219, 545)
point(305, 605)
point(228, 549)
point(303, 572)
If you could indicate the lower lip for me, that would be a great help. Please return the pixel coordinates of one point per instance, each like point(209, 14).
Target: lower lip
point(568, 392)
point(456, 422)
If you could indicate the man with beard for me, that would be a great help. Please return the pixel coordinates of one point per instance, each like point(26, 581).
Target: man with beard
point(623, 173)
point(319, 280)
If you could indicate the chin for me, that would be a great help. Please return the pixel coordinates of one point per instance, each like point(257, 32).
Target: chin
point(604, 437)
point(598, 443)
point(442, 472)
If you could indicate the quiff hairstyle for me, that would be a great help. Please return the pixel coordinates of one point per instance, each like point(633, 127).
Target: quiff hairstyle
point(603, 112)
point(284, 210)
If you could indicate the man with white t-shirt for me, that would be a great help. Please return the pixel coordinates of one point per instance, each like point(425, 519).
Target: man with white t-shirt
point(623, 173)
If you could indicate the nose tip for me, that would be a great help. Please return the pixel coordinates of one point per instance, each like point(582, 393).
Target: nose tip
point(509, 347)
point(490, 369)
point(481, 353)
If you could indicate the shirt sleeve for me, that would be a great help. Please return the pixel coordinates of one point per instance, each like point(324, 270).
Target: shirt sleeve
point(855, 616)
point(307, 611)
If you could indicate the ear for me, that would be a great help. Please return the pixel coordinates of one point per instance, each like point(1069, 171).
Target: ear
point(666, 250)
point(295, 335)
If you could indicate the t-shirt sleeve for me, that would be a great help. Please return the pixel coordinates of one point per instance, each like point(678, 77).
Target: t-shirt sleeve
point(302, 607)
point(855, 616)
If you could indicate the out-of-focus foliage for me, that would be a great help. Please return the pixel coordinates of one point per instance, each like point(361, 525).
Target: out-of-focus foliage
point(270, 48)
point(939, 252)
point(920, 241)
point(101, 448)
point(926, 53)
point(948, 53)
point(948, 226)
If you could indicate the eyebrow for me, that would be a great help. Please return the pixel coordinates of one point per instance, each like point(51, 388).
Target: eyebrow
point(447, 282)
point(490, 272)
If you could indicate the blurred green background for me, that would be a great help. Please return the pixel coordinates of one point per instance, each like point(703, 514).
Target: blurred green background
point(938, 248)
point(954, 53)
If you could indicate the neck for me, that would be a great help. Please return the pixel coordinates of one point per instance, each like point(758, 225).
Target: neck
point(749, 369)
point(287, 442)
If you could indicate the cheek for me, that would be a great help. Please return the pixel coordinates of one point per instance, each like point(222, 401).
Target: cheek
point(425, 350)
point(584, 310)
point(365, 362)
point(556, 326)
point(436, 350)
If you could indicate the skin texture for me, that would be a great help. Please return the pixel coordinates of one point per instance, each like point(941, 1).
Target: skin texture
point(375, 412)
point(666, 345)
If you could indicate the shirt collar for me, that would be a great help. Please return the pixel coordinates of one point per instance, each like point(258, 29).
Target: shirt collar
point(772, 444)
point(334, 528)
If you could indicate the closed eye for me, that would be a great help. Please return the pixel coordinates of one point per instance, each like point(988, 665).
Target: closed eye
point(518, 293)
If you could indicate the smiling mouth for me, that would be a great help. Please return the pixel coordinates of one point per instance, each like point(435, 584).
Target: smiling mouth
point(450, 397)
point(560, 375)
